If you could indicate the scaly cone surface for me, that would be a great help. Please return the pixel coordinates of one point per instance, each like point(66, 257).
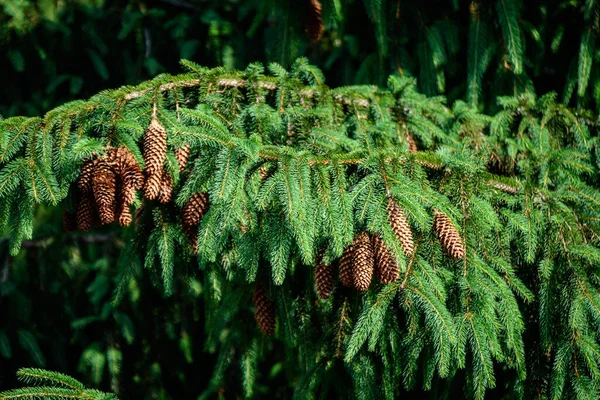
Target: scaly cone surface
point(386, 270)
point(364, 262)
point(264, 311)
point(448, 235)
point(155, 152)
point(400, 227)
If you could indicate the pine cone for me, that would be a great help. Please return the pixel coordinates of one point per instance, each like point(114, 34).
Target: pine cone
point(125, 216)
point(346, 275)
point(69, 221)
point(364, 262)
point(265, 311)
point(448, 235)
point(104, 185)
point(84, 181)
point(324, 280)
point(386, 269)
point(85, 212)
point(155, 152)
point(166, 189)
point(400, 227)
point(193, 211)
point(315, 24)
point(412, 144)
point(182, 154)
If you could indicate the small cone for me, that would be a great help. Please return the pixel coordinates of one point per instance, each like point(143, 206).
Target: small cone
point(448, 235)
point(166, 189)
point(104, 185)
point(265, 311)
point(182, 154)
point(314, 24)
point(386, 270)
point(346, 275)
point(324, 279)
point(85, 212)
point(400, 227)
point(412, 144)
point(125, 216)
point(155, 152)
point(69, 221)
point(364, 262)
point(84, 181)
point(264, 173)
point(193, 211)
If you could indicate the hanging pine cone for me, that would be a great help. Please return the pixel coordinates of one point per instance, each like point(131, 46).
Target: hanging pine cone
point(264, 311)
point(314, 24)
point(400, 227)
point(125, 216)
point(85, 212)
point(324, 279)
point(166, 189)
point(69, 221)
point(84, 181)
point(364, 262)
point(193, 211)
point(104, 186)
point(386, 270)
point(182, 154)
point(448, 235)
point(155, 152)
point(412, 144)
point(346, 274)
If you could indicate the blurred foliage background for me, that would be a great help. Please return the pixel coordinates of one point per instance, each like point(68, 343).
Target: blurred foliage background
point(56, 297)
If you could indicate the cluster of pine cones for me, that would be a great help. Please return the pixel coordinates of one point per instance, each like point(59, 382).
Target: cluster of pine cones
point(108, 184)
point(368, 254)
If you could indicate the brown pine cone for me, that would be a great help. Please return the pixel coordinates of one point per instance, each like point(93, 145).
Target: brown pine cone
point(314, 24)
point(364, 262)
point(346, 274)
point(195, 208)
point(155, 152)
point(386, 269)
point(400, 227)
point(448, 235)
point(182, 154)
point(324, 279)
point(166, 189)
point(84, 181)
point(104, 186)
point(85, 212)
point(264, 311)
point(412, 144)
point(124, 214)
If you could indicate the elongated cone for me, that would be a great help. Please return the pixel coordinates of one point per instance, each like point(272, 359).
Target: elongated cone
point(400, 227)
point(264, 311)
point(182, 154)
point(84, 181)
point(85, 212)
point(166, 189)
point(364, 262)
point(155, 152)
point(324, 279)
point(448, 235)
point(412, 144)
point(386, 270)
point(346, 274)
point(193, 211)
point(104, 186)
point(314, 24)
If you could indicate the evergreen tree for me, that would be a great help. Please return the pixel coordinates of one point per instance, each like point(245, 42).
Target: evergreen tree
point(255, 233)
